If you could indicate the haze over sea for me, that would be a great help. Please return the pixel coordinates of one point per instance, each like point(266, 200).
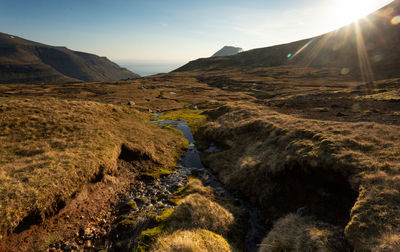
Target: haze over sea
point(150, 67)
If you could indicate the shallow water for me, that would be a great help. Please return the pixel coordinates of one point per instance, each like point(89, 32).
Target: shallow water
point(191, 164)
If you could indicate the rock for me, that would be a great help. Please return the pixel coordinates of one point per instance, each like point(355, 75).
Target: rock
point(228, 51)
point(197, 172)
point(131, 103)
point(68, 247)
point(340, 114)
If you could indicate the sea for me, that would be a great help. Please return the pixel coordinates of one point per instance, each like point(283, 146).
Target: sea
point(149, 67)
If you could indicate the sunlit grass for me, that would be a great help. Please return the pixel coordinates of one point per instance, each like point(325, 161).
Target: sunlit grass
point(51, 147)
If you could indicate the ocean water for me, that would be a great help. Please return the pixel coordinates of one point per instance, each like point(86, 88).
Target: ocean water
point(146, 68)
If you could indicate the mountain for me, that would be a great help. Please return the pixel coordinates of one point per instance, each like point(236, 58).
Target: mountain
point(228, 51)
point(27, 61)
point(370, 46)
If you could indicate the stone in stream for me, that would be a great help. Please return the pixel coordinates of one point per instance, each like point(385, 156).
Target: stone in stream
point(197, 172)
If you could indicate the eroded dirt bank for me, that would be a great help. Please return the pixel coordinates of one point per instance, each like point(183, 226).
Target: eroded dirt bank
point(310, 177)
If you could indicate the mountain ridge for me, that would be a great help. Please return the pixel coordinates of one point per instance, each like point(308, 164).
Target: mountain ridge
point(28, 61)
point(371, 44)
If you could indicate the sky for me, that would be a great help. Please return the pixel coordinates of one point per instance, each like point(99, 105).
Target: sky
point(171, 31)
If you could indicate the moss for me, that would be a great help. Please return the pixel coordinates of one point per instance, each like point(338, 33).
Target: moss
point(153, 232)
point(127, 222)
point(140, 248)
point(132, 205)
point(151, 213)
point(157, 173)
point(194, 118)
point(142, 199)
point(165, 215)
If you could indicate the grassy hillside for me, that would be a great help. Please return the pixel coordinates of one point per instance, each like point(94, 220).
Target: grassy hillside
point(51, 147)
point(24, 61)
point(354, 48)
point(344, 174)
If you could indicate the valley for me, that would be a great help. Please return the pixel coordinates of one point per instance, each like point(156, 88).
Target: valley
point(292, 147)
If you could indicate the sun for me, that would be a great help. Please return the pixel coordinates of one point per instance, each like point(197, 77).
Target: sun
point(348, 11)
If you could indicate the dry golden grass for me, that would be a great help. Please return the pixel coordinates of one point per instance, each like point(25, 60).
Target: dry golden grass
point(261, 144)
point(196, 240)
point(295, 233)
point(193, 186)
point(197, 211)
point(389, 242)
point(197, 223)
point(51, 147)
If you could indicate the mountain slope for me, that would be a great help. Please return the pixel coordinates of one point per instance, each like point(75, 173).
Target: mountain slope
point(31, 62)
point(369, 46)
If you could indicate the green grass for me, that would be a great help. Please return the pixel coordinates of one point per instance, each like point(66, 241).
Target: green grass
point(194, 118)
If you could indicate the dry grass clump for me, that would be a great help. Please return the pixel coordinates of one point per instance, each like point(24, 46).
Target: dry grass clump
point(262, 145)
point(197, 223)
point(194, 185)
point(389, 242)
point(197, 211)
point(196, 240)
point(51, 147)
point(296, 233)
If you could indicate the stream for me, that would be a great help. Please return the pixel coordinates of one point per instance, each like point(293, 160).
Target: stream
point(190, 165)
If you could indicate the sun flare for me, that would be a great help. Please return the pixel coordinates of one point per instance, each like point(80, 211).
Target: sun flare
point(348, 11)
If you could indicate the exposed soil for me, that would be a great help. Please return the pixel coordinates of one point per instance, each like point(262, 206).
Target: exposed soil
point(85, 220)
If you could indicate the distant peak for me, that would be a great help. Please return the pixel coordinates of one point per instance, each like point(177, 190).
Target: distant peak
point(228, 51)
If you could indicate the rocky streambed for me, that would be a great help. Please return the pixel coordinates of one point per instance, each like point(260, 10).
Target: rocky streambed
point(152, 197)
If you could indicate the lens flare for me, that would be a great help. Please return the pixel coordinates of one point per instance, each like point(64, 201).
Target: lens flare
point(289, 55)
point(395, 20)
point(365, 65)
point(345, 71)
point(302, 48)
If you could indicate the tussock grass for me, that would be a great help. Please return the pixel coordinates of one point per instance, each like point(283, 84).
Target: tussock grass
point(388, 242)
point(196, 240)
point(194, 185)
point(51, 147)
point(262, 145)
point(197, 211)
point(296, 233)
point(197, 223)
